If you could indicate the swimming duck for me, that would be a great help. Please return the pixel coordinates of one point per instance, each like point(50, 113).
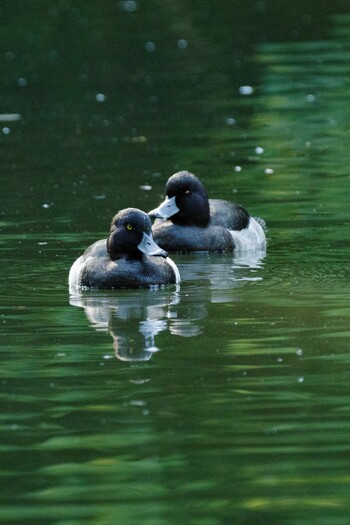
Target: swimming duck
point(129, 258)
point(201, 224)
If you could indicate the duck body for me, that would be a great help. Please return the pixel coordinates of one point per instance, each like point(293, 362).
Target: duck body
point(228, 214)
point(188, 221)
point(129, 258)
point(185, 239)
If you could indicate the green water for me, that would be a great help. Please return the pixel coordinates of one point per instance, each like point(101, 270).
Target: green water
point(224, 400)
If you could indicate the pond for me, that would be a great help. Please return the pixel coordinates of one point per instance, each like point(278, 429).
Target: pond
point(221, 400)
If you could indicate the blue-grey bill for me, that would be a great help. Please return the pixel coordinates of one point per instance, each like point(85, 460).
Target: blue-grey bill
point(149, 247)
point(165, 210)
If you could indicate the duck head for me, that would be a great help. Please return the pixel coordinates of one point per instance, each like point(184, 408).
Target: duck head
point(131, 235)
point(186, 201)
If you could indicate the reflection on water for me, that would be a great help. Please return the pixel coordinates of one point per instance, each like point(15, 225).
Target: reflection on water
point(134, 318)
point(242, 413)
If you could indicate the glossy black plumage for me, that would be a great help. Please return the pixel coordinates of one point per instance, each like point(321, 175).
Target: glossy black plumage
point(197, 223)
point(129, 258)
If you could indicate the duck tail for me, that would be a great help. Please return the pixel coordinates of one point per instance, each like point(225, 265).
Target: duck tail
point(262, 223)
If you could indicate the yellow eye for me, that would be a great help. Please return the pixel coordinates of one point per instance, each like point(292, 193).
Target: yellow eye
point(129, 227)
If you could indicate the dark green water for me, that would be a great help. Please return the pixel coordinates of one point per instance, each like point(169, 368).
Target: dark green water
point(225, 400)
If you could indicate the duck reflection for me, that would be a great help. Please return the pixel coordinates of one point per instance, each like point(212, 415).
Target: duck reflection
point(140, 346)
point(221, 273)
point(133, 318)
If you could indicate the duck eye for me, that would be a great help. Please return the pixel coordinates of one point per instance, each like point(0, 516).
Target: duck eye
point(129, 227)
point(188, 192)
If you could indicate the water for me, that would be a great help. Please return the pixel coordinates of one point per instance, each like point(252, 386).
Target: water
point(222, 400)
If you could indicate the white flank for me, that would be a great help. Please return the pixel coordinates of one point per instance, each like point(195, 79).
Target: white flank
point(74, 273)
point(175, 268)
point(249, 238)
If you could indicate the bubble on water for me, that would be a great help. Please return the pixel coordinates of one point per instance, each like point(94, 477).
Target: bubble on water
point(268, 171)
point(300, 379)
point(150, 46)
point(100, 97)
point(53, 54)
point(139, 381)
point(140, 139)
point(259, 150)
point(238, 168)
point(137, 402)
point(22, 82)
point(246, 90)
point(9, 55)
point(230, 121)
point(260, 7)
point(146, 187)
point(9, 117)
point(46, 205)
point(310, 98)
point(182, 43)
point(332, 122)
point(6, 130)
point(129, 6)
point(299, 351)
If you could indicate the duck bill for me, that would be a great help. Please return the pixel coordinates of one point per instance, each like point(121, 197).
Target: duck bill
point(165, 210)
point(149, 247)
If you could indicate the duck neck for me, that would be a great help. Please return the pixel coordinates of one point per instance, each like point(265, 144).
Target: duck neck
point(118, 252)
point(193, 216)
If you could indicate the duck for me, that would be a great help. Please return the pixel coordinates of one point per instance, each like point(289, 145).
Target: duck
point(128, 258)
point(187, 221)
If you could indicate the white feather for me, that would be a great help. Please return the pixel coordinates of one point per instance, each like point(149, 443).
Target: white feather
point(175, 268)
point(249, 238)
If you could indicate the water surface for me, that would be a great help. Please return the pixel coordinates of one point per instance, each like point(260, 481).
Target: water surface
point(222, 400)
